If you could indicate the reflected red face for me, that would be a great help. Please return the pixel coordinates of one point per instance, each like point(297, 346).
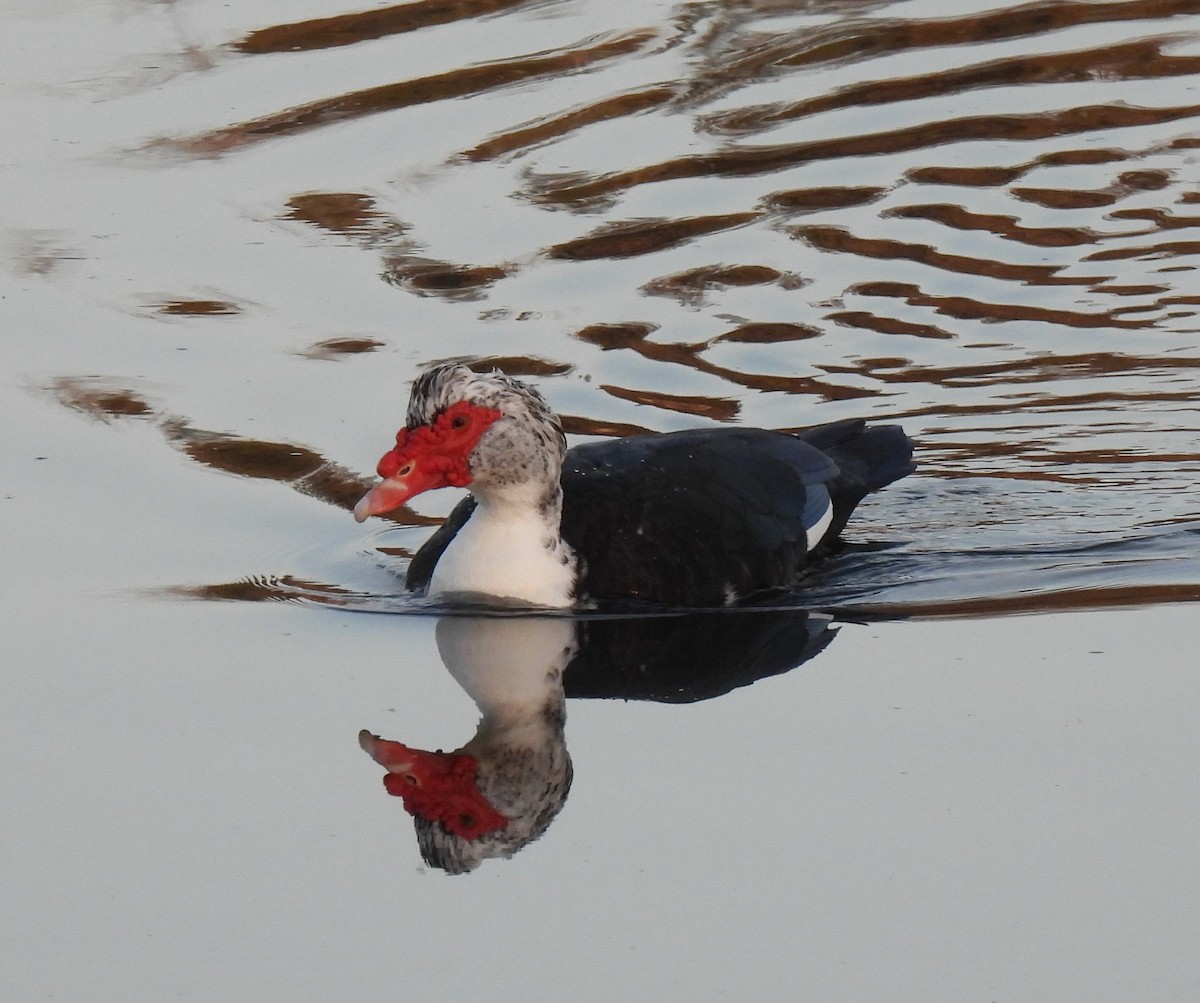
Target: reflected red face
point(438, 786)
point(427, 457)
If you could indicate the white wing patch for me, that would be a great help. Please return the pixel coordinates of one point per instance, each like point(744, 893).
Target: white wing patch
point(815, 533)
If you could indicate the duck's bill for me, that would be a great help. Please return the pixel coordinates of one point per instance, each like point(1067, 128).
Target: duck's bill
point(390, 755)
point(385, 496)
point(393, 492)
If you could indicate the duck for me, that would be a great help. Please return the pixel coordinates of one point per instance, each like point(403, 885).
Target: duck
point(699, 518)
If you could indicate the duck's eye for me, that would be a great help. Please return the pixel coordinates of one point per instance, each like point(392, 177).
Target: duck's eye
point(459, 422)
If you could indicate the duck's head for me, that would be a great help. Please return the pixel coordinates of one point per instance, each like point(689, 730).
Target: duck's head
point(439, 787)
point(484, 431)
point(503, 788)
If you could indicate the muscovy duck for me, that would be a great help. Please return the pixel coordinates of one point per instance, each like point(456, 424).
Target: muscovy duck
point(706, 517)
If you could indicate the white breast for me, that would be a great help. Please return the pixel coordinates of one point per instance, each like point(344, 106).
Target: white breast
point(506, 552)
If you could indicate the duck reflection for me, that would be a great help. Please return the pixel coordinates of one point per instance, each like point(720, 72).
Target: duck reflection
point(503, 788)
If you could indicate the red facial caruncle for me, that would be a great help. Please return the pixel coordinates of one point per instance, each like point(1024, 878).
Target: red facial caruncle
point(438, 786)
point(429, 456)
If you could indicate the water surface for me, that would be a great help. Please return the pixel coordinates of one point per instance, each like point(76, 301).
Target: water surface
point(232, 235)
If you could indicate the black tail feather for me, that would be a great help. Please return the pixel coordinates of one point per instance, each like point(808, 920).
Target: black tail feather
point(868, 458)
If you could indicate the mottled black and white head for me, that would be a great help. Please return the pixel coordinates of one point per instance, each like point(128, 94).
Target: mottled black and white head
point(504, 787)
point(483, 431)
point(471, 806)
point(530, 784)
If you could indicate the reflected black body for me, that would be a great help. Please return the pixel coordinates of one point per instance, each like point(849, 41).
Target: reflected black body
point(682, 659)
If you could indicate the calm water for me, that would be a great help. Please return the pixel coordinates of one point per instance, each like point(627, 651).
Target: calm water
point(232, 234)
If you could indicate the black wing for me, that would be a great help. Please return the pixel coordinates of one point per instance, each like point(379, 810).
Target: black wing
point(692, 518)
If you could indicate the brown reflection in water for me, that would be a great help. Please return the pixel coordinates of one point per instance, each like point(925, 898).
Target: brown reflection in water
point(965, 308)
point(428, 277)
point(272, 461)
point(354, 215)
point(1163, 219)
point(1038, 369)
point(1025, 457)
point(336, 348)
point(405, 552)
point(1141, 59)
point(764, 333)
point(855, 39)
point(1126, 184)
point(967, 177)
point(741, 161)
point(994, 177)
point(91, 397)
point(303, 469)
point(1114, 290)
point(423, 90)
point(1165, 301)
point(1167, 248)
point(690, 286)
point(1005, 227)
point(581, 425)
point(556, 126)
point(1057, 198)
point(718, 408)
point(285, 588)
point(514, 365)
point(1144, 181)
point(865, 321)
point(800, 200)
point(630, 238)
point(348, 29)
point(1065, 600)
point(834, 238)
point(943, 467)
point(198, 308)
point(351, 29)
point(350, 214)
point(1108, 400)
point(635, 337)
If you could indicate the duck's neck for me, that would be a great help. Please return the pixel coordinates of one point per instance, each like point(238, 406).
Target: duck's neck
point(512, 668)
point(510, 548)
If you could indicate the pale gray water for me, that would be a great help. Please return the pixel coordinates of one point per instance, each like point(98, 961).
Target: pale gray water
point(227, 248)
